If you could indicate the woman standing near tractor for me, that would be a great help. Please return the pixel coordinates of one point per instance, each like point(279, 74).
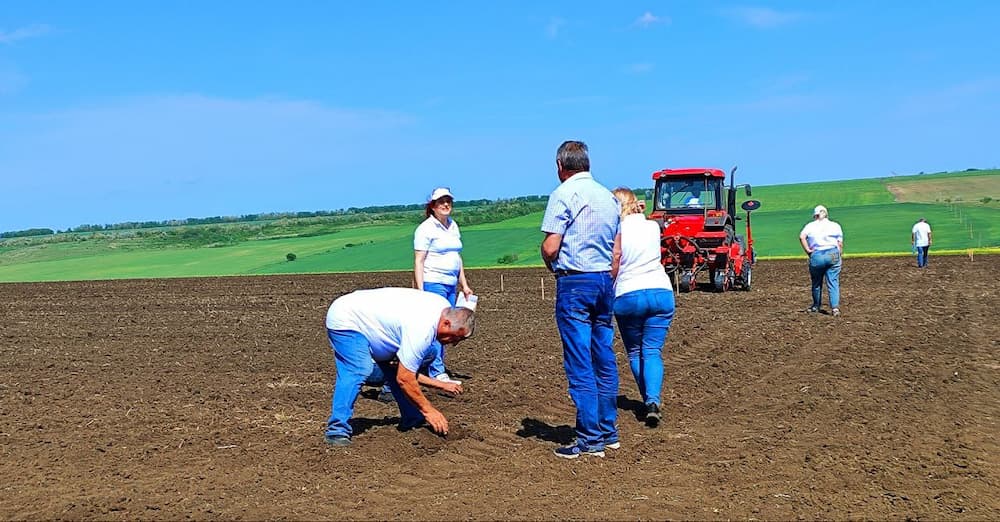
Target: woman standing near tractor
point(823, 241)
point(437, 261)
point(644, 301)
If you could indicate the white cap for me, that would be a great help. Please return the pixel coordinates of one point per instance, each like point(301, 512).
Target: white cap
point(441, 192)
point(818, 209)
point(469, 302)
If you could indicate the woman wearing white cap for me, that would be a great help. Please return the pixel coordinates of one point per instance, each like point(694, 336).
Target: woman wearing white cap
point(823, 241)
point(437, 260)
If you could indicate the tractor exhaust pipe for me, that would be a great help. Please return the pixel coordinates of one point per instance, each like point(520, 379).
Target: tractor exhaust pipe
point(731, 195)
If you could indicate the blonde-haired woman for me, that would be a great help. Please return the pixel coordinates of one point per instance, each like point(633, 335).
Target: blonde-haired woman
point(644, 301)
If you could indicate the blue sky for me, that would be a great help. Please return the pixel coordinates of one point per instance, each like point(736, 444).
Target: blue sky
point(154, 110)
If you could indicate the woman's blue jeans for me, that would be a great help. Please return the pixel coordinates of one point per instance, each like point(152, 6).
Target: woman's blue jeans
point(644, 318)
point(448, 292)
point(354, 364)
point(583, 314)
point(825, 264)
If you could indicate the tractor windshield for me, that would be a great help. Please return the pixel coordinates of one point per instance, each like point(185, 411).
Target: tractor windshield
point(688, 193)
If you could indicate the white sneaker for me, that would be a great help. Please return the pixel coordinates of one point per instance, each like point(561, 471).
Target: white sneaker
point(446, 378)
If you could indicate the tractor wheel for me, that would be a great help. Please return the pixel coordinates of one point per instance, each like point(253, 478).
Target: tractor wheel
point(721, 281)
point(747, 277)
point(687, 282)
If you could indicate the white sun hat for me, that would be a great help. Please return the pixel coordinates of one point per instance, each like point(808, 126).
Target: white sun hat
point(441, 192)
point(818, 209)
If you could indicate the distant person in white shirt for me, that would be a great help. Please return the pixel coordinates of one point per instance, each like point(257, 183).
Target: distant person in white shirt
point(644, 301)
point(437, 261)
point(394, 328)
point(920, 237)
point(823, 241)
point(694, 200)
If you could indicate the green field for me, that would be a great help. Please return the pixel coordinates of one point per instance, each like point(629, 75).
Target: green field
point(876, 215)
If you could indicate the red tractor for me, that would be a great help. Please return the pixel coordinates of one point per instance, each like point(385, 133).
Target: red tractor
point(697, 216)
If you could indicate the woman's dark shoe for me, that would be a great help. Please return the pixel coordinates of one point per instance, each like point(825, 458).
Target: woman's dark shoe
point(652, 415)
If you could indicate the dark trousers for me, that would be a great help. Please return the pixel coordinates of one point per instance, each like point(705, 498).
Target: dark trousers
point(922, 255)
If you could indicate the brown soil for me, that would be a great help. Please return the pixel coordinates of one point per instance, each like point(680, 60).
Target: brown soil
point(206, 398)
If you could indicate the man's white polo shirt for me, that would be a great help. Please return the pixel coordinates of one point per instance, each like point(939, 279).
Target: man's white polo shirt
point(400, 322)
point(921, 234)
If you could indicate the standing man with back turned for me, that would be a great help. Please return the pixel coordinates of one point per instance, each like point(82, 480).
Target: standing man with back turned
point(920, 237)
point(581, 239)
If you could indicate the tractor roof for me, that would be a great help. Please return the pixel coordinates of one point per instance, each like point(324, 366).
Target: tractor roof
point(714, 173)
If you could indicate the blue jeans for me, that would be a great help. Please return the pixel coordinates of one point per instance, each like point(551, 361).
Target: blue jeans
point(448, 292)
point(583, 314)
point(354, 364)
point(644, 318)
point(376, 377)
point(825, 264)
point(922, 255)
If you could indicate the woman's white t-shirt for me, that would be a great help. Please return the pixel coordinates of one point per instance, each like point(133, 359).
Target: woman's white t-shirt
point(444, 248)
point(640, 267)
point(822, 234)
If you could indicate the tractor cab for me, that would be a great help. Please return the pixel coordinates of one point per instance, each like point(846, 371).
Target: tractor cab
point(697, 214)
point(688, 195)
point(691, 203)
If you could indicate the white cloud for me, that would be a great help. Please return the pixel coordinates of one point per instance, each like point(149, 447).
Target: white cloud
point(649, 19)
point(553, 27)
point(23, 33)
point(640, 68)
point(577, 100)
point(786, 82)
point(169, 156)
point(762, 17)
point(977, 95)
point(11, 81)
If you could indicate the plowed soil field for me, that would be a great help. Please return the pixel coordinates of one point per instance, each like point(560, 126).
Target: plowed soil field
point(206, 399)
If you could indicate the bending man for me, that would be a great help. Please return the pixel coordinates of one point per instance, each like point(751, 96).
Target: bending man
point(383, 326)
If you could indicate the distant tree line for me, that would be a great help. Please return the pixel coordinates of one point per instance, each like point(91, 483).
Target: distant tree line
point(274, 216)
point(28, 233)
point(223, 231)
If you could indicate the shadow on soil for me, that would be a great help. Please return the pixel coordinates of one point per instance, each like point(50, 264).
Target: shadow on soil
point(563, 434)
point(361, 425)
point(636, 407)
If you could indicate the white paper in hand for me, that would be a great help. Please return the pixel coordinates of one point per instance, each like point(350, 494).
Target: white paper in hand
point(469, 303)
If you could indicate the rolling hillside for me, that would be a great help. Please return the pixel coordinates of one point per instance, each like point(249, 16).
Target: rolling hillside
point(876, 214)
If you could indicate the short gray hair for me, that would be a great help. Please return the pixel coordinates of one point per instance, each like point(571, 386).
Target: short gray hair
point(461, 317)
point(573, 157)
